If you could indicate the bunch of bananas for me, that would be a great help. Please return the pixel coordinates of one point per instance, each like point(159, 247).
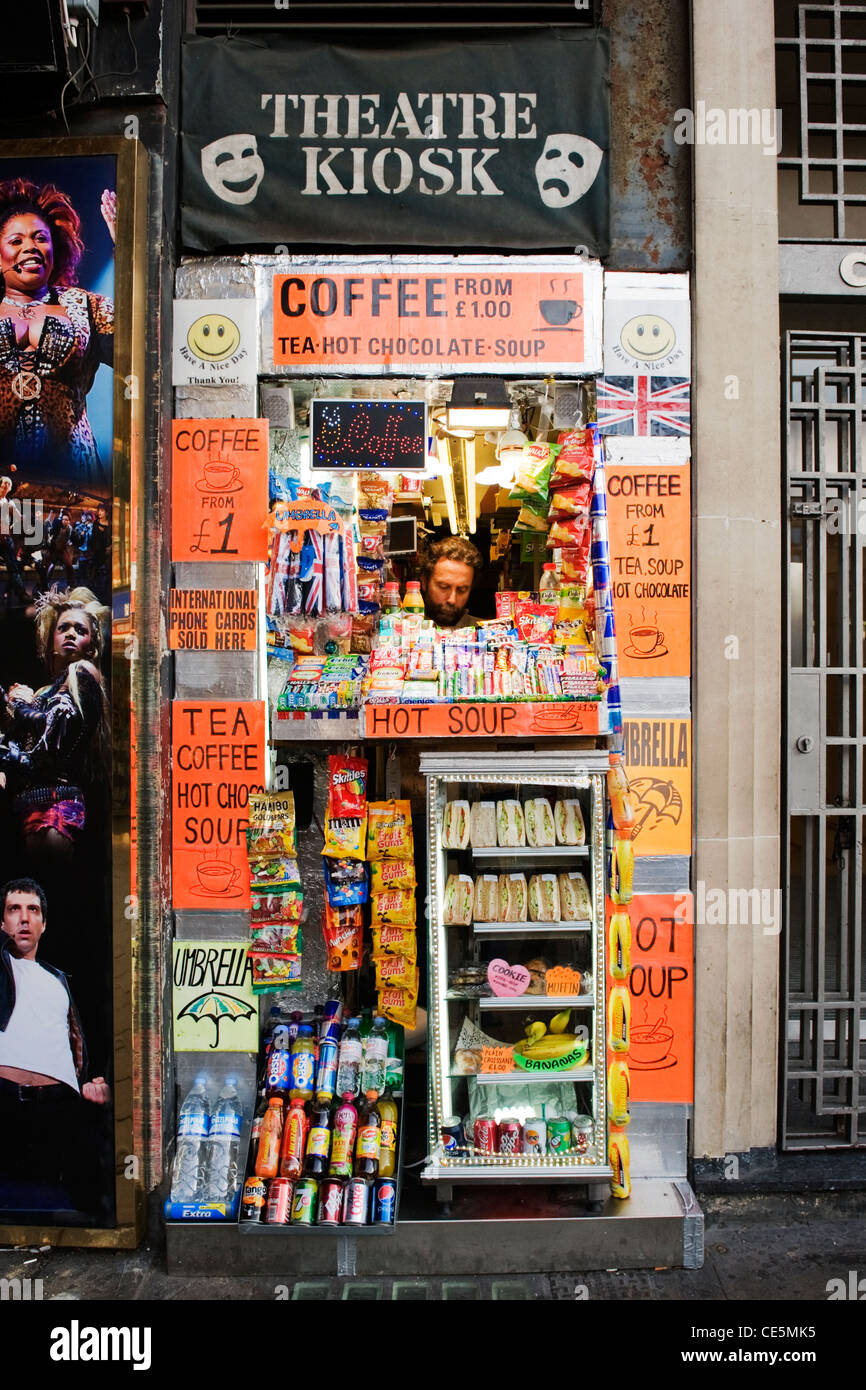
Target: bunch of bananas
point(542, 1045)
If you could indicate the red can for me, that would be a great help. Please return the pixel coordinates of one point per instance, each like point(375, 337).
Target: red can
point(484, 1135)
point(356, 1202)
point(510, 1137)
point(279, 1202)
point(330, 1202)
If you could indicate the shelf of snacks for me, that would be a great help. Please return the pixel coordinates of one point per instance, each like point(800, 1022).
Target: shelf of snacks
point(543, 1006)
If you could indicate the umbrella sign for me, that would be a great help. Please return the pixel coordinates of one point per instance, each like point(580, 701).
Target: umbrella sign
point(213, 1004)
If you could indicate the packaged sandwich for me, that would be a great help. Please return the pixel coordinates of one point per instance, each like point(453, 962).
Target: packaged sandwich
point(486, 902)
point(568, 818)
point(387, 874)
point(395, 941)
point(455, 825)
point(510, 826)
point(512, 898)
point(543, 898)
point(482, 824)
point(540, 830)
point(396, 907)
point(389, 830)
point(574, 897)
point(457, 905)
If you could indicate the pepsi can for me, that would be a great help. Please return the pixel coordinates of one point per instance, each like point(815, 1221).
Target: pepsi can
point(326, 1074)
point(356, 1202)
point(330, 1202)
point(452, 1136)
point(384, 1202)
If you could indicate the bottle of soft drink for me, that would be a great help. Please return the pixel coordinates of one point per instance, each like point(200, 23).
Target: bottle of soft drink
point(367, 1142)
point(413, 600)
point(258, 1117)
point(387, 1107)
point(188, 1170)
point(224, 1171)
point(268, 1156)
point(549, 583)
point(343, 1141)
point(318, 1142)
point(302, 1075)
point(375, 1058)
point(351, 1057)
point(294, 1139)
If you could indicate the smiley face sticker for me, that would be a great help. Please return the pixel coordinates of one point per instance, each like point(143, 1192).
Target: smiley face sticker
point(648, 337)
point(213, 337)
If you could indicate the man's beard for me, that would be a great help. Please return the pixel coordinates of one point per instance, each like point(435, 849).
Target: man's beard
point(445, 615)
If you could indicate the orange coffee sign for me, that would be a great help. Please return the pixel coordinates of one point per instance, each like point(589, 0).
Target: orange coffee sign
point(492, 318)
point(662, 988)
point(497, 1059)
point(212, 620)
point(218, 758)
point(295, 518)
point(481, 720)
point(658, 763)
point(649, 513)
point(219, 489)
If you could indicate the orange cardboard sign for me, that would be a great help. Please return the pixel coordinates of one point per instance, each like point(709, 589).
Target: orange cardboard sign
point(662, 988)
point(497, 1059)
point(295, 518)
point(561, 980)
point(213, 620)
point(658, 763)
point(649, 517)
point(218, 758)
point(489, 318)
point(219, 490)
point(493, 720)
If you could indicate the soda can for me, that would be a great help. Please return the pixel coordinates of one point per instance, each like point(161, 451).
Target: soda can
point(254, 1199)
point(279, 1202)
point(330, 1202)
point(356, 1202)
point(558, 1136)
point(535, 1137)
point(332, 1020)
point(384, 1202)
point(509, 1137)
point(452, 1135)
point(326, 1074)
point(304, 1202)
point(484, 1135)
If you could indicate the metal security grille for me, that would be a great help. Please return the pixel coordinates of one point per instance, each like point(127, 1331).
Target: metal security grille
point(828, 86)
point(211, 17)
point(824, 1040)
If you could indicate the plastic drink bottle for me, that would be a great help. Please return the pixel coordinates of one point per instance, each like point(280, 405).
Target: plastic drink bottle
point(413, 601)
point(224, 1168)
point(302, 1075)
point(375, 1058)
point(387, 1135)
point(188, 1170)
point(294, 1139)
point(549, 582)
point(268, 1156)
point(343, 1142)
point(351, 1057)
point(391, 597)
point(318, 1142)
point(367, 1142)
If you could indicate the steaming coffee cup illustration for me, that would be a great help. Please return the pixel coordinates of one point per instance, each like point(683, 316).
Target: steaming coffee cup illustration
point(217, 875)
point(646, 640)
point(558, 312)
point(219, 475)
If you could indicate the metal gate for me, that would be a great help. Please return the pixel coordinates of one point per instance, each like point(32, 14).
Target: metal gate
point(823, 1053)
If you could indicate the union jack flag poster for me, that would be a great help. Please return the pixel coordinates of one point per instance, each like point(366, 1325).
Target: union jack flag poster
point(644, 405)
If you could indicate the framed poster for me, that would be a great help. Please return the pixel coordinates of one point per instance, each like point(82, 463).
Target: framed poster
point(71, 287)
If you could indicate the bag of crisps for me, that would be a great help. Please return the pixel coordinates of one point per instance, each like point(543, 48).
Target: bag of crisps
point(389, 830)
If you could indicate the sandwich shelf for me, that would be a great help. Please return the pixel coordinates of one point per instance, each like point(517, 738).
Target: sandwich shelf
point(523, 1058)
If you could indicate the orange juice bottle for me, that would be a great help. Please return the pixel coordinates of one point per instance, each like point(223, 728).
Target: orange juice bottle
point(413, 601)
point(387, 1135)
point(268, 1156)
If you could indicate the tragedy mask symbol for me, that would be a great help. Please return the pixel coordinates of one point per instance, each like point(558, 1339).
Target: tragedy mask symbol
point(566, 169)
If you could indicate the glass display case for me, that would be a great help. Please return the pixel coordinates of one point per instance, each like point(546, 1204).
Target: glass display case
point(516, 915)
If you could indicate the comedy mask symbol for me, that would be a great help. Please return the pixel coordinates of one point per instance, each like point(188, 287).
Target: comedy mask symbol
point(231, 161)
point(566, 169)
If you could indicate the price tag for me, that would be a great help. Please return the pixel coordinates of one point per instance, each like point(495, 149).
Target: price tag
point(497, 1059)
point(561, 980)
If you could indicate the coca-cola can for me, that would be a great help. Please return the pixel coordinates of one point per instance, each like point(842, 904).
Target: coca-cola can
point(279, 1202)
point(330, 1202)
point(510, 1137)
point(356, 1202)
point(484, 1135)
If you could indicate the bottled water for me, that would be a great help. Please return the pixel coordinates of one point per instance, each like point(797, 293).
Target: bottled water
point(187, 1174)
point(223, 1177)
point(375, 1058)
point(351, 1057)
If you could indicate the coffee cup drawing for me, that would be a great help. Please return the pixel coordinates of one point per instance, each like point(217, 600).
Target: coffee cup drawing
point(218, 475)
point(558, 312)
point(645, 642)
point(216, 875)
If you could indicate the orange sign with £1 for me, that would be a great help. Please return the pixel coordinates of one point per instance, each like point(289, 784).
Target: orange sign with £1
point(219, 490)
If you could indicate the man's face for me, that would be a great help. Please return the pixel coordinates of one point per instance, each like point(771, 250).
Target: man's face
point(24, 922)
point(446, 592)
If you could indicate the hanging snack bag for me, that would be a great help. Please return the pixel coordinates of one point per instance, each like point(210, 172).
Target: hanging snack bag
point(575, 462)
point(396, 908)
point(395, 941)
point(345, 838)
point(343, 930)
point(347, 787)
point(276, 971)
point(276, 908)
point(399, 1004)
point(394, 972)
point(387, 874)
point(273, 874)
point(346, 882)
point(532, 478)
point(570, 533)
point(272, 814)
point(277, 938)
point(389, 830)
point(570, 501)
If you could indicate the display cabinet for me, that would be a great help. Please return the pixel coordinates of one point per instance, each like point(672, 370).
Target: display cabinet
point(517, 1047)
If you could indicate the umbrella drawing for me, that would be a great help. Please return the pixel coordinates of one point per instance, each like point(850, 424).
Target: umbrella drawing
point(656, 799)
point(217, 1007)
